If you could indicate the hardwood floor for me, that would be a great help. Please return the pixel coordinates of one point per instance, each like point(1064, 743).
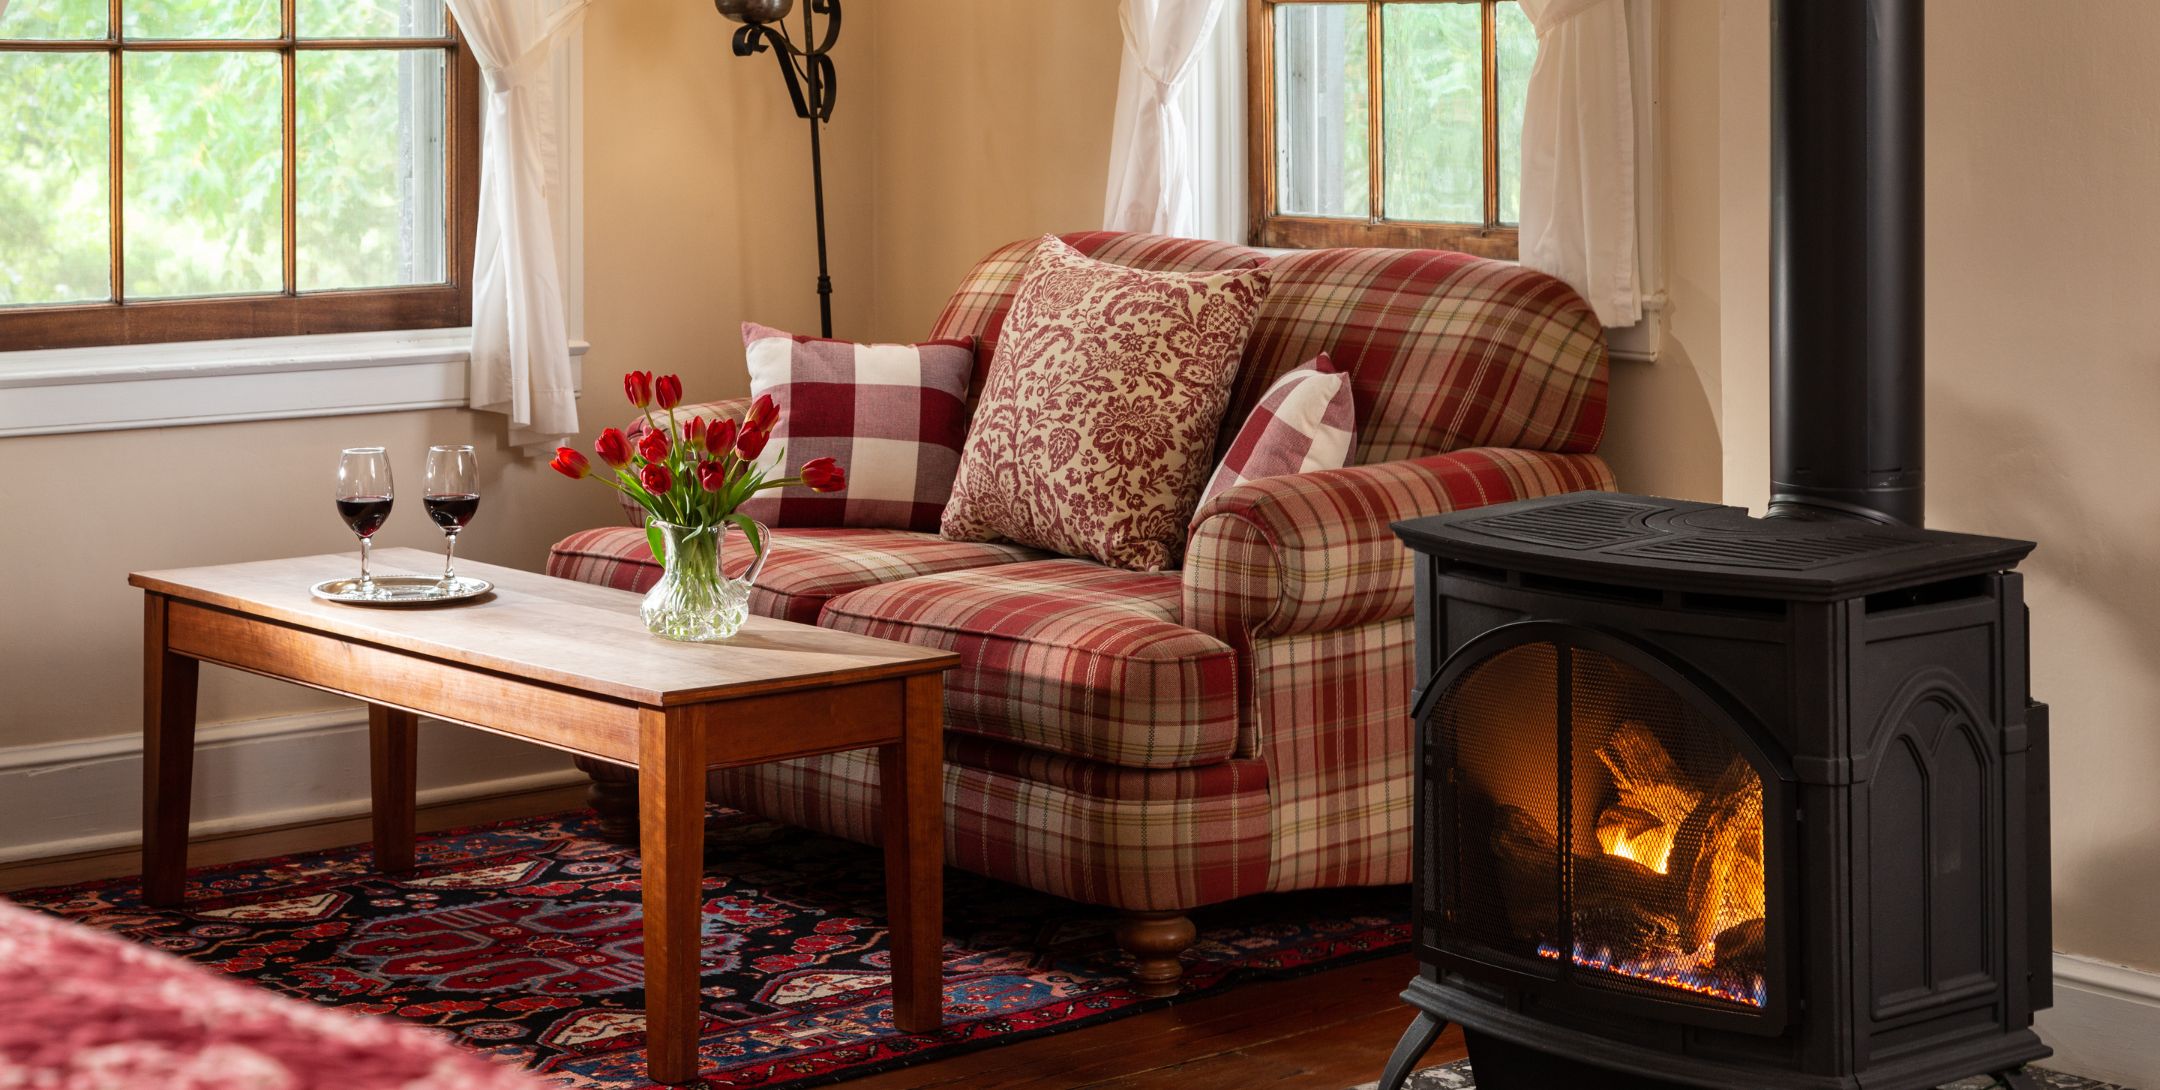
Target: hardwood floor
point(1328, 1031)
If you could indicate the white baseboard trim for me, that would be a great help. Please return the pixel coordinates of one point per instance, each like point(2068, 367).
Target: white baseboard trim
point(2105, 1023)
point(68, 798)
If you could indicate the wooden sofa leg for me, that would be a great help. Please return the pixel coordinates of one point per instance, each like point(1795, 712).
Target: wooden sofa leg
point(613, 796)
point(1155, 939)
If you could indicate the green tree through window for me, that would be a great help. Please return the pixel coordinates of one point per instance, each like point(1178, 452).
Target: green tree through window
point(1429, 90)
point(167, 150)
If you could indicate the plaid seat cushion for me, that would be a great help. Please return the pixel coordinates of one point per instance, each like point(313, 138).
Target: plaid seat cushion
point(1066, 656)
point(807, 568)
point(892, 415)
point(1305, 423)
point(1313, 552)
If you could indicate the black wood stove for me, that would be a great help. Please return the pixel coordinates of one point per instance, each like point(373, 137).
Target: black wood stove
point(1707, 800)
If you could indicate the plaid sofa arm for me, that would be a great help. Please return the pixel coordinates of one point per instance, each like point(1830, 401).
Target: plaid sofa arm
point(728, 409)
point(1312, 552)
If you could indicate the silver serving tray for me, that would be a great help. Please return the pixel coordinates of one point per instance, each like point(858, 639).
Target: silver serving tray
point(401, 590)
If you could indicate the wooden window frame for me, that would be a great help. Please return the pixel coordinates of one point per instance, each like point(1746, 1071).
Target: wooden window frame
point(1271, 228)
point(290, 311)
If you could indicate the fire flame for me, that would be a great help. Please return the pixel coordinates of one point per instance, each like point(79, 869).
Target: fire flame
point(1671, 974)
point(1652, 847)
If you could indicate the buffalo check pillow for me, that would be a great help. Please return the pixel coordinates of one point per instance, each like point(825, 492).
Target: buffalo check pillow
point(893, 415)
point(1306, 421)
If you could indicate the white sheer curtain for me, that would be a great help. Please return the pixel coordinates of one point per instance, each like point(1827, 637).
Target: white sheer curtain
point(521, 363)
point(1582, 152)
point(1152, 176)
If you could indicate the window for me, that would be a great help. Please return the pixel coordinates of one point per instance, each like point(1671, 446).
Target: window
point(1388, 122)
point(178, 170)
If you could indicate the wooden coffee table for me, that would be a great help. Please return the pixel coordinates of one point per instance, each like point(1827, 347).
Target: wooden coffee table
point(568, 665)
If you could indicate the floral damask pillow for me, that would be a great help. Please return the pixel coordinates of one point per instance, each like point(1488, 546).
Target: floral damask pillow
point(1096, 424)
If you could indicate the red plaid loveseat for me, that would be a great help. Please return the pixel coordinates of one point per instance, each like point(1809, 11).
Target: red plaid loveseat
point(1158, 742)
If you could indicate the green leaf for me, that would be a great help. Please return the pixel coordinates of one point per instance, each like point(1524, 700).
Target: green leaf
point(748, 526)
point(652, 538)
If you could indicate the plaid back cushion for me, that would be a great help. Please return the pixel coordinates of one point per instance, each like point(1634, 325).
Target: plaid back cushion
point(977, 309)
point(1304, 423)
point(893, 415)
point(1445, 350)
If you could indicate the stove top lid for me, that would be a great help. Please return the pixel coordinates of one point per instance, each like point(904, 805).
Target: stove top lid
point(1682, 545)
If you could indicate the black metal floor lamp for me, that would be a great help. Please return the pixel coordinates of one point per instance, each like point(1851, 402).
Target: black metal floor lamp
point(809, 72)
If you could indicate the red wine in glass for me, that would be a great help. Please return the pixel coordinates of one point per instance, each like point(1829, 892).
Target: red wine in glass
point(452, 512)
point(364, 493)
point(452, 498)
point(365, 514)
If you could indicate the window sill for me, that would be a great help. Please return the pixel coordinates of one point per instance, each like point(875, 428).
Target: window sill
point(218, 382)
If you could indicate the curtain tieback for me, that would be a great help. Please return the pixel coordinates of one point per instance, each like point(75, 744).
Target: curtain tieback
point(533, 65)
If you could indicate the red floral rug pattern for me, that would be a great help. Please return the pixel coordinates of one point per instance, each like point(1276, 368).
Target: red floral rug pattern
point(522, 940)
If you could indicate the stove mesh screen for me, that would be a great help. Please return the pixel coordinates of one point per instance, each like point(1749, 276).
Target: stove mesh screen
point(1597, 822)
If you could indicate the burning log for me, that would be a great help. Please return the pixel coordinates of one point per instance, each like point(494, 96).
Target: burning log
point(1719, 855)
point(1654, 798)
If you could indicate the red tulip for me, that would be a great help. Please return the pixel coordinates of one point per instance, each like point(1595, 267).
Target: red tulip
point(612, 448)
point(823, 475)
point(693, 431)
point(764, 413)
point(571, 464)
point(750, 443)
point(667, 391)
point(653, 445)
point(637, 386)
point(711, 476)
point(656, 478)
point(720, 438)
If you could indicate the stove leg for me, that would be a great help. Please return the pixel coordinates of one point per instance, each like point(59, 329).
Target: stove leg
point(1423, 1031)
point(2017, 1078)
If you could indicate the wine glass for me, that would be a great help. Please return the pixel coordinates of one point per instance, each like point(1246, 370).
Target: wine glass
point(453, 495)
point(363, 501)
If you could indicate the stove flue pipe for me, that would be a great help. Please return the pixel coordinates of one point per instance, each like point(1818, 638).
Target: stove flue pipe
point(1847, 415)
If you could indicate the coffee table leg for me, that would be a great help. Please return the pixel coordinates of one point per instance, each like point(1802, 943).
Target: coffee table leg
point(168, 759)
point(393, 768)
point(671, 822)
point(912, 779)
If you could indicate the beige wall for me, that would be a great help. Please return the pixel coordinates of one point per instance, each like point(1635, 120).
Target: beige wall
point(84, 510)
point(1662, 438)
point(993, 124)
point(2043, 383)
point(697, 194)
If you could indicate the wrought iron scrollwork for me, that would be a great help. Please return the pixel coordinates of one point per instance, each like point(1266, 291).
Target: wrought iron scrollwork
point(811, 79)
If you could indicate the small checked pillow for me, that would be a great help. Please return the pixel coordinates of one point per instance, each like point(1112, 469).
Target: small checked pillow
point(1096, 426)
point(893, 415)
point(1305, 422)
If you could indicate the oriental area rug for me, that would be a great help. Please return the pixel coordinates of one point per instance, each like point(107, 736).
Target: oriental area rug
point(521, 941)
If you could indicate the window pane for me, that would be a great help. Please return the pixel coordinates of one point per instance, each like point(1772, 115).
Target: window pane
point(51, 19)
point(1323, 111)
point(199, 18)
point(55, 215)
point(1434, 104)
point(1517, 46)
point(370, 168)
point(203, 187)
point(375, 19)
